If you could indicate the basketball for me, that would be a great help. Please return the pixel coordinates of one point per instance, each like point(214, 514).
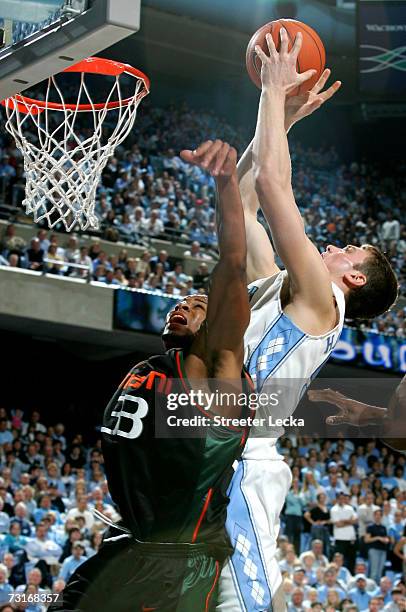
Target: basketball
point(312, 54)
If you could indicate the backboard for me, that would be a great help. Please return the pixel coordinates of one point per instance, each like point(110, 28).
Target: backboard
point(39, 38)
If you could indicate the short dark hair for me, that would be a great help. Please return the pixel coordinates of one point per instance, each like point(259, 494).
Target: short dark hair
point(379, 292)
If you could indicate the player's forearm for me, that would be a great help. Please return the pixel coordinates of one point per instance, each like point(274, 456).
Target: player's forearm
point(230, 222)
point(272, 171)
point(246, 181)
point(271, 158)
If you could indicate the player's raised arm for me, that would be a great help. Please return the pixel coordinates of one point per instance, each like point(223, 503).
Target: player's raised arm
point(260, 253)
point(310, 283)
point(228, 311)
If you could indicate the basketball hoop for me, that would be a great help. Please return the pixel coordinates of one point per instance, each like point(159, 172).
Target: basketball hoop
point(62, 167)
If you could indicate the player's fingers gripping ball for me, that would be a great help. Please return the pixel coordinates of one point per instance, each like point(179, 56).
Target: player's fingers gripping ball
point(312, 55)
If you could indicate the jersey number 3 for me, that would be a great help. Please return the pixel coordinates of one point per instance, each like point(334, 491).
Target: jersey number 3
point(136, 418)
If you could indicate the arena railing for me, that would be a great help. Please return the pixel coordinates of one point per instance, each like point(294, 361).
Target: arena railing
point(67, 264)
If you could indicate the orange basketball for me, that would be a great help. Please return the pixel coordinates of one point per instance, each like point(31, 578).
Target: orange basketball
point(312, 54)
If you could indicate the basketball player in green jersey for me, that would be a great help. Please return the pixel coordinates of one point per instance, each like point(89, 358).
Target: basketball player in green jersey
point(167, 552)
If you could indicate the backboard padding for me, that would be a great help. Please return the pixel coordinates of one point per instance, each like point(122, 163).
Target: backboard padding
point(65, 42)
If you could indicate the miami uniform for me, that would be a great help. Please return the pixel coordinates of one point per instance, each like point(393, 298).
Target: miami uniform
point(170, 489)
point(275, 348)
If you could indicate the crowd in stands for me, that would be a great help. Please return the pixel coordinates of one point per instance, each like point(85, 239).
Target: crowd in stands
point(343, 545)
point(148, 191)
point(49, 486)
point(150, 272)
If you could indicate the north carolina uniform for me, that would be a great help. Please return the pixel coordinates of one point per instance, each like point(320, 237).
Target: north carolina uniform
point(275, 348)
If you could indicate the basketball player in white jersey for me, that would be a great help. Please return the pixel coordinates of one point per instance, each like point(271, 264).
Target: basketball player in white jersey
point(296, 319)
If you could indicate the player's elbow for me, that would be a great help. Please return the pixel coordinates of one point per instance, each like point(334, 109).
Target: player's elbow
point(268, 181)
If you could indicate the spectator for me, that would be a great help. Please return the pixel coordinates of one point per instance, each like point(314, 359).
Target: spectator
point(390, 229)
point(82, 510)
point(83, 259)
point(72, 562)
point(20, 517)
point(42, 236)
point(35, 255)
point(43, 551)
point(161, 258)
point(53, 266)
point(400, 551)
point(320, 560)
point(4, 518)
point(385, 589)
point(287, 564)
point(296, 604)
point(14, 541)
point(319, 519)
point(5, 434)
point(359, 594)
point(343, 518)
point(195, 251)
point(366, 516)
point(34, 577)
point(6, 590)
point(343, 574)
point(377, 539)
point(398, 603)
point(293, 515)
point(331, 582)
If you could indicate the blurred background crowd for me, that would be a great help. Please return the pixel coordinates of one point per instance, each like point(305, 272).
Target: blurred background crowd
point(147, 191)
point(49, 485)
point(342, 545)
point(344, 541)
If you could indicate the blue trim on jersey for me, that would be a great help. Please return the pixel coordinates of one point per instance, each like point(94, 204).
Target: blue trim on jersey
point(316, 372)
point(234, 578)
point(276, 346)
point(241, 530)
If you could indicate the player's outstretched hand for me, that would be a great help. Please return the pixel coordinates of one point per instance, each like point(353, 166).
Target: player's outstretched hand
point(279, 69)
point(303, 105)
point(216, 157)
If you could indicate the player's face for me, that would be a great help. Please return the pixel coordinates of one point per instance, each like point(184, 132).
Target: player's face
point(344, 262)
point(184, 321)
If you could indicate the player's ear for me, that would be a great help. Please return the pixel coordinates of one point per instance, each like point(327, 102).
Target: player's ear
point(354, 279)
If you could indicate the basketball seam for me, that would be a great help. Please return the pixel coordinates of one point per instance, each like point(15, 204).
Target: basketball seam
point(255, 56)
point(317, 45)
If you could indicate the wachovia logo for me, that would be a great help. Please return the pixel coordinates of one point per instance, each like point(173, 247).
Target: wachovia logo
point(377, 59)
point(390, 27)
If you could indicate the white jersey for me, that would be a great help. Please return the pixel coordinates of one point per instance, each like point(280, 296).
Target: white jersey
point(276, 349)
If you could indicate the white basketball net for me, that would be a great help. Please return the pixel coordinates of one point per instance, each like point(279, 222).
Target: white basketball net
point(62, 167)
